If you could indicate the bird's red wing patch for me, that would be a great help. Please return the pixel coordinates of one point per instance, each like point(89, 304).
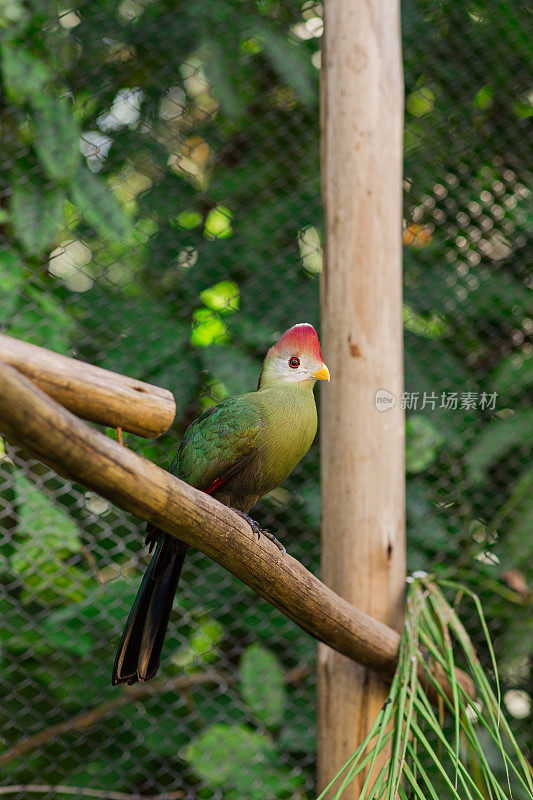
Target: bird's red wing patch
point(152, 531)
point(216, 483)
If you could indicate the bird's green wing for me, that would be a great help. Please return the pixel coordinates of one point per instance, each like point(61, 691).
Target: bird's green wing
point(218, 443)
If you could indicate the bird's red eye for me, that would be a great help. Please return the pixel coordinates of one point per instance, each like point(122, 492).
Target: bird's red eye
point(294, 362)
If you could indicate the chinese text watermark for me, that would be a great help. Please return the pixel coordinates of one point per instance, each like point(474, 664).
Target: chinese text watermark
point(449, 401)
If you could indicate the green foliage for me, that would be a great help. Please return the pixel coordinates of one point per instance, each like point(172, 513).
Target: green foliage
point(37, 216)
point(99, 206)
point(262, 685)
point(238, 758)
point(433, 756)
point(496, 440)
point(57, 137)
point(176, 146)
point(423, 442)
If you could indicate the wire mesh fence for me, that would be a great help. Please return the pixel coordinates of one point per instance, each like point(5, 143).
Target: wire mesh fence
point(160, 216)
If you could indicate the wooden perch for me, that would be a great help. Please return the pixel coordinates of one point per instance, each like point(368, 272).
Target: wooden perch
point(92, 392)
point(75, 450)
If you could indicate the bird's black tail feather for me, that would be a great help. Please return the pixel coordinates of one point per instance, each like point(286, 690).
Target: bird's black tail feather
point(139, 651)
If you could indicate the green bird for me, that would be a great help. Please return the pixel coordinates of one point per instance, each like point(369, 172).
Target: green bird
point(237, 451)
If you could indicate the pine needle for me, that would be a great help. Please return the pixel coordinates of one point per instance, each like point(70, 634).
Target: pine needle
point(430, 755)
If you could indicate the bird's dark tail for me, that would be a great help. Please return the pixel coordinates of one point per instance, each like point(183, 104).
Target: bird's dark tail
point(139, 651)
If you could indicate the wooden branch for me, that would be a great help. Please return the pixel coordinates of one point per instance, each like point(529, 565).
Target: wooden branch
point(91, 392)
point(55, 436)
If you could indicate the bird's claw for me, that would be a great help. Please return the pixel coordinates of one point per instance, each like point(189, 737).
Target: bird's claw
point(272, 538)
point(258, 531)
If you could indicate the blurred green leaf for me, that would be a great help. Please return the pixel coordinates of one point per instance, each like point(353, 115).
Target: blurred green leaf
point(24, 76)
point(484, 98)
point(189, 219)
point(420, 102)
point(202, 645)
point(42, 320)
point(46, 537)
point(496, 440)
point(57, 137)
point(11, 12)
point(423, 442)
point(513, 374)
point(235, 757)
point(227, 85)
point(218, 223)
point(95, 200)
point(207, 328)
point(262, 685)
point(291, 63)
point(223, 297)
point(37, 215)
point(11, 278)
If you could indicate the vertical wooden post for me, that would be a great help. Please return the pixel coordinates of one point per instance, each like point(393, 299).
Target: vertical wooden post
point(363, 543)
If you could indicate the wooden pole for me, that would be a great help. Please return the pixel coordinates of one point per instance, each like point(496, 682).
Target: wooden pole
point(92, 392)
point(55, 436)
point(363, 547)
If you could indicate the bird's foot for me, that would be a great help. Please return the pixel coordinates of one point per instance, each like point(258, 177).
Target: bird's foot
point(272, 538)
point(258, 530)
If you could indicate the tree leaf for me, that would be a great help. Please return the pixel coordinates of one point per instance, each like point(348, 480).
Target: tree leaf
point(37, 215)
point(42, 320)
point(423, 442)
point(228, 88)
point(235, 757)
point(95, 200)
point(496, 440)
point(513, 374)
point(262, 684)
point(46, 536)
point(291, 62)
point(24, 76)
point(11, 278)
point(57, 137)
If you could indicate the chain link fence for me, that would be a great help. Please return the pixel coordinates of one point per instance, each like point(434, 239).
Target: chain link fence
point(160, 216)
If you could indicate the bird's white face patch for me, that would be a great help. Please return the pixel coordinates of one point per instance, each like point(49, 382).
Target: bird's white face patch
point(286, 369)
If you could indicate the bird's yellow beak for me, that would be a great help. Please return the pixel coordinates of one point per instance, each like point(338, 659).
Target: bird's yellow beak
point(322, 374)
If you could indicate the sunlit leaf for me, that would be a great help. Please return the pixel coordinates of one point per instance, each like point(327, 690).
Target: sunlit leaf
point(223, 296)
point(202, 646)
point(420, 102)
point(207, 328)
point(218, 223)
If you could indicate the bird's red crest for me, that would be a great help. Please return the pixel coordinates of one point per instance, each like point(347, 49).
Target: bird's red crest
point(300, 338)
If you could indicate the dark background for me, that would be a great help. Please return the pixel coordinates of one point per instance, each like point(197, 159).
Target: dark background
point(160, 216)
